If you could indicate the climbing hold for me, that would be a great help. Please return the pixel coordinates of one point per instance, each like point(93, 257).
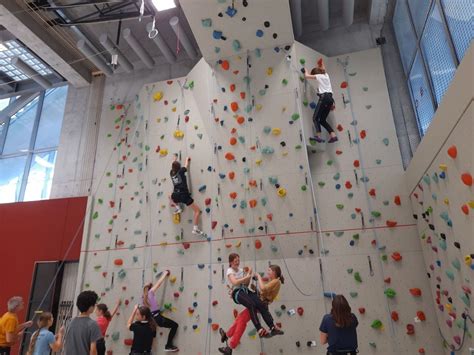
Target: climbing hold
point(300, 311)
point(397, 201)
point(231, 11)
point(396, 256)
point(361, 310)
point(421, 316)
point(416, 292)
point(453, 152)
point(206, 22)
point(217, 34)
point(236, 45)
point(276, 131)
point(363, 134)
point(394, 316)
point(281, 192)
point(229, 156)
point(234, 106)
point(390, 292)
point(356, 163)
point(339, 206)
point(385, 141)
point(410, 329)
point(158, 96)
point(467, 179)
point(344, 85)
point(465, 209)
point(240, 120)
point(202, 188)
point(391, 224)
point(377, 324)
point(225, 65)
point(357, 277)
point(178, 134)
point(118, 262)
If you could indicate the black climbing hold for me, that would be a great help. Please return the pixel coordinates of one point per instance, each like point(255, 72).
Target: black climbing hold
point(309, 343)
point(277, 186)
point(250, 119)
point(311, 251)
point(443, 236)
point(245, 3)
point(223, 38)
point(266, 86)
point(266, 24)
point(415, 216)
point(219, 147)
point(223, 89)
point(283, 307)
point(283, 144)
point(220, 14)
point(457, 245)
point(275, 35)
point(429, 275)
point(260, 228)
point(287, 48)
point(450, 299)
point(244, 159)
point(298, 344)
point(244, 19)
point(432, 227)
point(219, 259)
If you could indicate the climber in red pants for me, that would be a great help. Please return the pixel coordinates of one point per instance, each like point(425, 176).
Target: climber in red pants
point(268, 293)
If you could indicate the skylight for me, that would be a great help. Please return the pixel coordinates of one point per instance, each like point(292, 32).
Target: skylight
point(161, 5)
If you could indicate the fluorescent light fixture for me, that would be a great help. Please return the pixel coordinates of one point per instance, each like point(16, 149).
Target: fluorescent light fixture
point(161, 5)
point(2, 47)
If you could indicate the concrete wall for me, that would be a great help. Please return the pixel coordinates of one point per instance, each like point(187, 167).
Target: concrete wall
point(444, 204)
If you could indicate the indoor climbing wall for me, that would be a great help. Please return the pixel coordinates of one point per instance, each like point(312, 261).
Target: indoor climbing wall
point(443, 204)
point(368, 238)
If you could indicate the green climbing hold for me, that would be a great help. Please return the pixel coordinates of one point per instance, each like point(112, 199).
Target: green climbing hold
point(350, 195)
point(206, 22)
point(298, 147)
point(97, 267)
point(377, 324)
point(390, 292)
point(378, 161)
point(450, 274)
point(329, 162)
point(372, 344)
point(321, 183)
point(236, 45)
point(456, 264)
point(252, 333)
point(115, 336)
point(338, 233)
point(121, 274)
point(284, 82)
point(442, 244)
point(95, 215)
point(304, 188)
point(355, 236)
point(385, 203)
point(305, 102)
point(353, 294)
point(273, 180)
point(349, 271)
point(465, 299)
point(336, 176)
point(302, 61)
point(339, 206)
point(295, 116)
point(365, 88)
point(263, 201)
point(385, 141)
point(135, 259)
point(376, 214)
point(267, 129)
point(384, 257)
point(357, 277)
point(100, 201)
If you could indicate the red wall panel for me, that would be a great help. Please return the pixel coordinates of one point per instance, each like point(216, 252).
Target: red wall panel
point(36, 231)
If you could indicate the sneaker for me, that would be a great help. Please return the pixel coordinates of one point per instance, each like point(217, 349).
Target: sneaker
point(171, 348)
point(276, 331)
point(223, 335)
point(317, 139)
point(333, 139)
point(197, 231)
point(178, 210)
point(225, 350)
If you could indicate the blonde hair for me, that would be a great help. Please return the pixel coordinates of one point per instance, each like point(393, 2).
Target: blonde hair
point(43, 322)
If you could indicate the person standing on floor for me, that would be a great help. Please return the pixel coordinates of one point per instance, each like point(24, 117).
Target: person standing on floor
point(144, 330)
point(325, 102)
point(149, 300)
point(10, 330)
point(268, 292)
point(82, 333)
point(338, 328)
point(181, 192)
point(43, 341)
point(104, 317)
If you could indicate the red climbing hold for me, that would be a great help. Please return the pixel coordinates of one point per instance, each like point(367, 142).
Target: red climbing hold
point(229, 156)
point(320, 62)
point(348, 185)
point(253, 183)
point(215, 326)
point(128, 342)
point(466, 179)
point(300, 311)
point(338, 152)
point(233, 195)
point(421, 315)
point(410, 329)
point(465, 209)
point(118, 262)
point(396, 256)
point(225, 65)
point(240, 119)
point(357, 164)
point(453, 152)
point(231, 175)
point(258, 244)
point(394, 316)
point(363, 134)
point(233, 130)
point(233, 141)
point(213, 224)
point(207, 201)
point(397, 201)
point(391, 224)
point(242, 220)
point(234, 106)
point(361, 310)
point(387, 280)
point(186, 245)
point(176, 295)
point(232, 87)
point(270, 217)
point(416, 292)
point(242, 95)
point(421, 351)
point(339, 127)
point(372, 192)
point(215, 303)
point(344, 85)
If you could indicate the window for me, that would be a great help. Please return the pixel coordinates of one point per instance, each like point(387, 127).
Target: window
point(419, 11)
point(437, 53)
point(28, 144)
point(420, 95)
point(406, 38)
point(459, 19)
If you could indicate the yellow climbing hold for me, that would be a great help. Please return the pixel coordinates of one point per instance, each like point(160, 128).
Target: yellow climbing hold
point(158, 96)
point(173, 109)
point(178, 134)
point(443, 167)
point(238, 244)
point(471, 203)
point(448, 307)
point(276, 131)
point(258, 161)
point(258, 107)
point(468, 260)
point(158, 119)
point(281, 192)
point(446, 201)
point(176, 218)
point(269, 71)
point(163, 152)
point(172, 279)
point(284, 154)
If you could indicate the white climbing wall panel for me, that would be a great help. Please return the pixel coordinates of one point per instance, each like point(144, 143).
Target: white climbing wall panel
point(444, 203)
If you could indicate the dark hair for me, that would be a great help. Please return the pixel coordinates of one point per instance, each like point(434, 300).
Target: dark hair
point(341, 312)
point(276, 269)
point(146, 288)
point(175, 167)
point(232, 257)
point(105, 310)
point(43, 321)
point(315, 71)
point(86, 300)
point(145, 312)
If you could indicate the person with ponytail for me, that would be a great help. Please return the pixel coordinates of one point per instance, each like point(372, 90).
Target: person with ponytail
point(181, 194)
point(149, 300)
point(143, 326)
point(338, 329)
point(268, 292)
point(43, 341)
point(104, 317)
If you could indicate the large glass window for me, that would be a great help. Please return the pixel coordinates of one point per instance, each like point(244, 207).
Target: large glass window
point(404, 33)
point(459, 15)
point(30, 138)
point(420, 94)
point(419, 11)
point(438, 55)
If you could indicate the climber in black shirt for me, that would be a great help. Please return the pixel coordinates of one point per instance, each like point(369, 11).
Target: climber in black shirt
point(181, 192)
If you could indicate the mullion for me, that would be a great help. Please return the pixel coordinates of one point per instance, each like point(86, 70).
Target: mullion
point(446, 28)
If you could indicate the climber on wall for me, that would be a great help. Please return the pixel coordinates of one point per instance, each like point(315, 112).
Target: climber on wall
point(104, 317)
point(325, 102)
point(181, 192)
point(338, 328)
point(268, 293)
point(149, 300)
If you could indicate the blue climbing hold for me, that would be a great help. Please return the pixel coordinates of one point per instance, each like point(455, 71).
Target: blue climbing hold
point(312, 105)
point(259, 33)
point(231, 11)
point(217, 34)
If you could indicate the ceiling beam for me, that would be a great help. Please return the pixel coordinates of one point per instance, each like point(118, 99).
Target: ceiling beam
point(30, 86)
point(377, 11)
point(19, 23)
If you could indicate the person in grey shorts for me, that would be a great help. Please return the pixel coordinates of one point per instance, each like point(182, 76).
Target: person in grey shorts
point(83, 332)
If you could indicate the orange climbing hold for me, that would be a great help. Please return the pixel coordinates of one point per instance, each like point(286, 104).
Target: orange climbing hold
point(229, 156)
point(394, 316)
point(466, 179)
point(253, 183)
point(215, 326)
point(231, 175)
point(396, 256)
point(225, 65)
point(253, 203)
point(453, 152)
point(240, 119)
point(416, 292)
point(242, 220)
point(421, 315)
point(233, 195)
point(233, 141)
point(397, 201)
point(234, 106)
point(258, 244)
point(391, 224)
point(118, 262)
point(344, 85)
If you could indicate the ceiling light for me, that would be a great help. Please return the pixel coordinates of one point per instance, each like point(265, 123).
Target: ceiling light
point(2, 47)
point(161, 5)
